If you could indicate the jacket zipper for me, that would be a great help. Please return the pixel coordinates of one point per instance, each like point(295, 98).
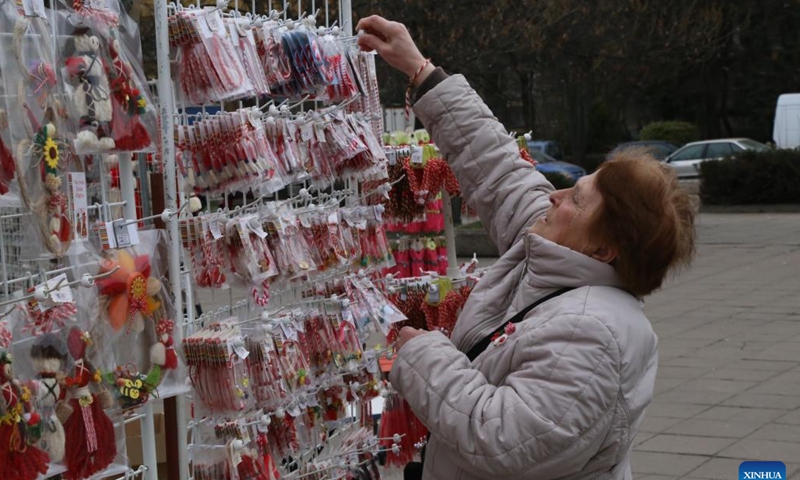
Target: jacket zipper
point(478, 333)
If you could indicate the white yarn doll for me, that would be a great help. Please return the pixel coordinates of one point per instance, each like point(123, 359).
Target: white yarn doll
point(92, 97)
point(47, 356)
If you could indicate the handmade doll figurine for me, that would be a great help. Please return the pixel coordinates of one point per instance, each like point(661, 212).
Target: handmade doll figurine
point(128, 103)
point(48, 354)
point(163, 352)
point(92, 98)
point(20, 459)
point(90, 439)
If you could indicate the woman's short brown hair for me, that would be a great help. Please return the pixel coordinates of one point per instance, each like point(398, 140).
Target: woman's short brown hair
point(646, 216)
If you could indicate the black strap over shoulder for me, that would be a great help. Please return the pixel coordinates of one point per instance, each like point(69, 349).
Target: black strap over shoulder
point(484, 344)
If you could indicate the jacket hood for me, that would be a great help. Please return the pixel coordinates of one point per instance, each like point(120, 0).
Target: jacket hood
point(551, 265)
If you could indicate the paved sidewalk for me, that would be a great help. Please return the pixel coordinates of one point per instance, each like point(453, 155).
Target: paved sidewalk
point(728, 385)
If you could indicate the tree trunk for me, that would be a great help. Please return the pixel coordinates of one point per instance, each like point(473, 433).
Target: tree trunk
point(578, 105)
point(528, 102)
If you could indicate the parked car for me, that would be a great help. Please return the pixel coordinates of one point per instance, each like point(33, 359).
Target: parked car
point(547, 164)
point(548, 147)
point(659, 149)
point(687, 159)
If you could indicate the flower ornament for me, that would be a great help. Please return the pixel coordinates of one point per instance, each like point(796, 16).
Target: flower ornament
point(50, 153)
point(131, 290)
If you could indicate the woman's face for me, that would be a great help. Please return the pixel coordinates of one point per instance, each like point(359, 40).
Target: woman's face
point(568, 220)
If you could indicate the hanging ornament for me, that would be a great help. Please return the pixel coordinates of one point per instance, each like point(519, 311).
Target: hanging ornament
point(20, 428)
point(90, 438)
point(130, 289)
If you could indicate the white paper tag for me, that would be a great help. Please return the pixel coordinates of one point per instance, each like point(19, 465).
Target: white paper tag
point(62, 294)
point(319, 131)
point(307, 131)
point(213, 227)
point(257, 228)
point(34, 8)
point(241, 352)
point(77, 190)
point(416, 156)
point(391, 156)
point(213, 20)
point(121, 236)
point(288, 331)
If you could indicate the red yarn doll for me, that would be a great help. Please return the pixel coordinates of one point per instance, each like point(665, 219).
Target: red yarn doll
point(127, 102)
point(19, 427)
point(163, 353)
point(90, 439)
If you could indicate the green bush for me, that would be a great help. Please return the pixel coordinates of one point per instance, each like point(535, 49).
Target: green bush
point(675, 132)
point(771, 177)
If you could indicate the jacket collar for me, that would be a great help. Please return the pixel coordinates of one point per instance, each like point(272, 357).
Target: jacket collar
point(551, 265)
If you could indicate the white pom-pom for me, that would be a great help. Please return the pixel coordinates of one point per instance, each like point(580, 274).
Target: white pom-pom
point(107, 143)
point(384, 393)
point(527, 137)
point(258, 23)
point(50, 130)
point(158, 354)
point(195, 204)
point(86, 140)
point(55, 224)
point(153, 286)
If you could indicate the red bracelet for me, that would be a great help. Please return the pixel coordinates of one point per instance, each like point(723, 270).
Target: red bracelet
point(411, 86)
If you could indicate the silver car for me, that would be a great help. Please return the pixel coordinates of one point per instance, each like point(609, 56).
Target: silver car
point(687, 159)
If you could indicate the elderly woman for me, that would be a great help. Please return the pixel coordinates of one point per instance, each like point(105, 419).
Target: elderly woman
point(552, 362)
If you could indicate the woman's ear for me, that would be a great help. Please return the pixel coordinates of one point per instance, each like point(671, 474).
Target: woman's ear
point(604, 254)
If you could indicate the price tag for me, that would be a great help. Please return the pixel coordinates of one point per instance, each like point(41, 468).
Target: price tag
point(34, 8)
point(288, 331)
point(307, 131)
point(213, 20)
point(76, 182)
point(416, 157)
point(391, 156)
point(256, 227)
point(62, 294)
point(213, 227)
point(319, 130)
point(240, 351)
point(120, 235)
point(333, 218)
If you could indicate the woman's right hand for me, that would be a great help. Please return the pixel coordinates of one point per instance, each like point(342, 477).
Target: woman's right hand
point(394, 44)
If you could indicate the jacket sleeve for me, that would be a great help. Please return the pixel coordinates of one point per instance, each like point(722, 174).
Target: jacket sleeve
point(548, 417)
point(507, 192)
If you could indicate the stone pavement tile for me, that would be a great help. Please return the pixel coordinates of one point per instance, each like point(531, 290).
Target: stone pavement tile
point(769, 354)
point(654, 477)
point(681, 395)
point(718, 469)
point(740, 414)
point(653, 424)
point(777, 387)
point(738, 374)
point(673, 410)
point(667, 371)
point(756, 449)
point(687, 444)
point(792, 375)
point(642, 437)
point(763, 400)
point(791, 418)
point(775, 366)
point(714, 428)
point(779, 433)
point(667, 384)
point(671, 465)
point(714, 385)
point(697, 362)
point(727, 353)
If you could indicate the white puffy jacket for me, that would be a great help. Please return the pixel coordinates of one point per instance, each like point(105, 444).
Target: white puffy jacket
point(564, 396)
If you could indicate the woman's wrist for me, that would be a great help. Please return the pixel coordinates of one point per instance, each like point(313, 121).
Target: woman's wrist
point(423, 74)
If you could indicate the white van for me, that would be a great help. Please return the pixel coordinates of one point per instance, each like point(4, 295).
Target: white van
point(786, 132)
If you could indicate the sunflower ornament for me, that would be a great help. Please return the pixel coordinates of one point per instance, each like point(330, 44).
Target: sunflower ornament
point(130, 289)
point(57, 224)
